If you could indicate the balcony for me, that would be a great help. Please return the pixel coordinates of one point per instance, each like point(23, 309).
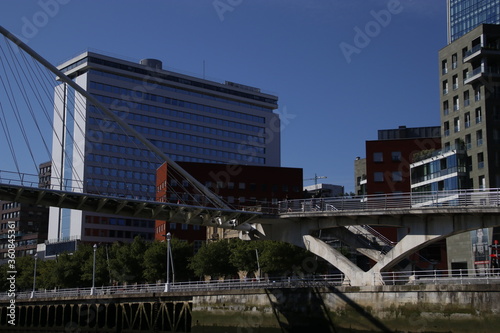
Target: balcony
point(481, 71)
point(479, 50)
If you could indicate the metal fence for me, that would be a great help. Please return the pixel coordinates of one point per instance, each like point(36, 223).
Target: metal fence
point(432, 277)
point(191, 286)
point(457, 198)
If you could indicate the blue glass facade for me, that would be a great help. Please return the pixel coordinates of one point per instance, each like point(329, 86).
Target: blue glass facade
point(465, 15)
point(442, 172)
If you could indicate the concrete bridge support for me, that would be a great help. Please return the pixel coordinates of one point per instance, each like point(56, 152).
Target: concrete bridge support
point(424, 226)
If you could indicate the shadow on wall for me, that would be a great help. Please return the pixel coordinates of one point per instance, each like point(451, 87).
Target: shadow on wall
point(304, 310)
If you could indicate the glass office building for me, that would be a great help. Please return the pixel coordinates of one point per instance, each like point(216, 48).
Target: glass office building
point(190, 119)
point(465, 15)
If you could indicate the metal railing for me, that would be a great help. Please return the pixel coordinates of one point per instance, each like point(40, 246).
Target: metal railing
point(457, 198)
point(192, 286)
point(432, 277)
point(450, 277)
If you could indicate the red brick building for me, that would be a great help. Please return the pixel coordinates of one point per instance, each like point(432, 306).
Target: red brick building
point(238, 185)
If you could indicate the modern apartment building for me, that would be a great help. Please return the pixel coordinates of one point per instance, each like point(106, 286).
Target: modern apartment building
point(470, 102)
point(388, 158)
point(466, 15)
point(188, 118)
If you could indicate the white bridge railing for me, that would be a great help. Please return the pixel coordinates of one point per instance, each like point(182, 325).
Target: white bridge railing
point(457, 198)
point(450, 277)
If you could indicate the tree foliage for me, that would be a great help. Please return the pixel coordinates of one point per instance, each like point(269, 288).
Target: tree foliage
point(213, 259)
point(145, 262)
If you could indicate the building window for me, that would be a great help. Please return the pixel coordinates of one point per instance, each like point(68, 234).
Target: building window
point(397, 176)
point(444, 66)
point(378, 157)
point(467, 119)
point(454, 61)
point(479, 117)
point(479, 138)
point(241, 186)
point(456, 124)
point(445, 87)
point(477, 94)
point(466, 98)
point(468, 141)
point(378, 177)
point(480, 160)
point(396, 156)
point(446, 128)
point(455, 82)
point(446, 108)
point(456, 103)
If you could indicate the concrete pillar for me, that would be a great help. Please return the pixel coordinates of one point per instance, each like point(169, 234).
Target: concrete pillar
point(353, 273)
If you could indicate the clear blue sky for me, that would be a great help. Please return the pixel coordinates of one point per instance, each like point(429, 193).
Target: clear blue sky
point(336, 87)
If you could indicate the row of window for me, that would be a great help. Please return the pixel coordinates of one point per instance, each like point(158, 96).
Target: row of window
point(124, 234)
point(395, 176)
point(466, 101)
point(23, 242)
point(378, 157)
point(91, 219)
point(135, 95)
point(10, 205)
point(478, 119)
point(19, 253)
point(465, 15)
point(121, 173)
point(168, 112)
point(153, 86)
point(183, 226)
point(136, 189)
point(98, 136)
point(11, 215)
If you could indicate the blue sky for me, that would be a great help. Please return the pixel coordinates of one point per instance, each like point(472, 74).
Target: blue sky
point(336, 85)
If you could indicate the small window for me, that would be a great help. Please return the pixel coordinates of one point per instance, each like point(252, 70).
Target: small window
point(378, 177)
point(397, 176)
point(378, 157)
point(396, 156)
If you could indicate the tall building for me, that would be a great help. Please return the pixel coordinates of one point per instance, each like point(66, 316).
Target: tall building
point(466, 15)
point(189, 118)
point(470, 102)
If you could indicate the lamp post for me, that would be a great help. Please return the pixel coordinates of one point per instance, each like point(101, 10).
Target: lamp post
point(93, 272)
point(258, 264)
point(168, 236)
point(34, 277)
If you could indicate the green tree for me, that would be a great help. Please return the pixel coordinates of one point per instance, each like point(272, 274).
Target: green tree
point(213, 259)
point(243, 255)
point(279, 258)
point(127, 261)
point(155, 261)
point(46, 279)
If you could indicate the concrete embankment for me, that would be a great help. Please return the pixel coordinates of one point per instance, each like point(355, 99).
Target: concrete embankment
point(417, 308)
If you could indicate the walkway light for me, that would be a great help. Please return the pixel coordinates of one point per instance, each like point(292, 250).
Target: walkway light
point(93, 272)
point(170, 261)
point(34, 277)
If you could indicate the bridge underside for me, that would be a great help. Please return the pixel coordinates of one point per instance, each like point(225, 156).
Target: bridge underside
point(423, 226)
point(206, 216)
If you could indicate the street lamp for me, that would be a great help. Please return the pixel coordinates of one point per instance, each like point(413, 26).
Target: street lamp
point(170, 261)
point(34, 277)
point(93, 272)
point(258, 264)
